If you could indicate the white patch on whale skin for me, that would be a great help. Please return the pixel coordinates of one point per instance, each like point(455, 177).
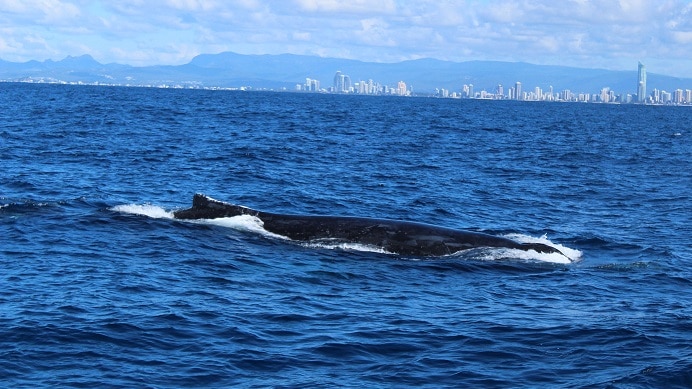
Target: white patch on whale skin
point(247, 223)
point(333, 244)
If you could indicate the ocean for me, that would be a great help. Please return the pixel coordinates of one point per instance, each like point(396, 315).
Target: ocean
point(102, 287)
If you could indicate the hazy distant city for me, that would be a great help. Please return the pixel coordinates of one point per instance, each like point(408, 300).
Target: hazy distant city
point(420, 78)
point(342, 84)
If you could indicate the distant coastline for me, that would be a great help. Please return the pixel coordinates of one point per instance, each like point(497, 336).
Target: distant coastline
point(270, 90)
point(487, 80)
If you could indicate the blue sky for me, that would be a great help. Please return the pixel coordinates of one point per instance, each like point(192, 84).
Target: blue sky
point(608, 34)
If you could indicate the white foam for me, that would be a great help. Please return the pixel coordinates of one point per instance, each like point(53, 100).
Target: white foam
point(145, 210)
point(529, 255)
point(571, 254)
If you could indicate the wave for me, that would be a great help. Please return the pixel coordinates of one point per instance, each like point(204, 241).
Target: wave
point(254, 224)
point(26, 207)
point(572, 255)
point(149, 210)
point(498, 254)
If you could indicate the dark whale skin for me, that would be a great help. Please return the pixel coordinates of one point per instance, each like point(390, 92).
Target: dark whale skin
point(394, 236)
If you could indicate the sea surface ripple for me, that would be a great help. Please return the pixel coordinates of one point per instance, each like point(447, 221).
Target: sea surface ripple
point(102, 288)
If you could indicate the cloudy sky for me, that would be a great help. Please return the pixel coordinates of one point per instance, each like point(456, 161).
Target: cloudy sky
point(611, 34)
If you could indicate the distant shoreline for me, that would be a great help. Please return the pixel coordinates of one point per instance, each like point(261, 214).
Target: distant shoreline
point(283, 72)
point(269, 90)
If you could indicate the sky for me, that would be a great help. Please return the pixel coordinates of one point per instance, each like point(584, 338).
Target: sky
point(606, 34)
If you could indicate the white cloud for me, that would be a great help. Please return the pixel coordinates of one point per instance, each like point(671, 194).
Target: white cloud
point(43, 12)
point(682, 37)
point(192, 5)
point(506, 12)
point(588, 33)
point(347, 7)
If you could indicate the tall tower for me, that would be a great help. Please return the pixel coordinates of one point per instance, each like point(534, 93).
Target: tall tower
point(641, 83)
point(338, 82)
point(401, 88)
point(346, 86)
point(517, 91)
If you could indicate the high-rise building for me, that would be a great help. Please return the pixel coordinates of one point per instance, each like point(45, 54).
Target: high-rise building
point(678, 97)
point(338, 82)
point(401, 88)
point(517, 91)
point(605, 95)
point(666, 97)
point(641, 83)
point(656, 96)
point(346, 84)
point(312, 85)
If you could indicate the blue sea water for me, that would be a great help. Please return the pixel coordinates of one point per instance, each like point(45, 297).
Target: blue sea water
point(101, 287)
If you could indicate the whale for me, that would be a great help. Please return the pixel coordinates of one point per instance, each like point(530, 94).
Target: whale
point(393, 236)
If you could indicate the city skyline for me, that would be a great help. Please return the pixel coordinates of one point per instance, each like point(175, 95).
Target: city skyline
point(223, 71)
point(342, 84)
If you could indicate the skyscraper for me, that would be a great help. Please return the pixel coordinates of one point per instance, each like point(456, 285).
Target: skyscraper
point(517, 91)
point(346, 87)
point(641, 83)
point(338, 82)
point(401, 88)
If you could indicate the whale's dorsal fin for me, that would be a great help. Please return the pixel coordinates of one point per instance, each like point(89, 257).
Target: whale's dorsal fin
point(200, 200)
point(204, 207)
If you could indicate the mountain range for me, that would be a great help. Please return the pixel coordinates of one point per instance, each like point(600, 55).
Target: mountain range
point(286, 70)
